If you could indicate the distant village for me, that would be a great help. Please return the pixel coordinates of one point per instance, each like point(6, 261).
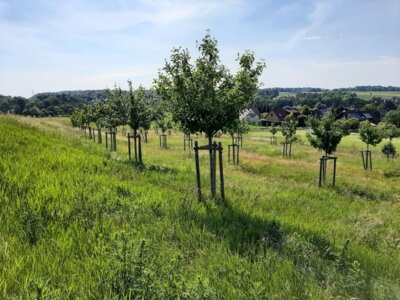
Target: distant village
point(343, 105)
point(278, 115)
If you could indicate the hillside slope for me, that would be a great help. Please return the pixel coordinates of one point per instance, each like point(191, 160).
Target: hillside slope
point(79, 222)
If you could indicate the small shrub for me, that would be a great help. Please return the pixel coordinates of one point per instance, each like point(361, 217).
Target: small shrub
point(389, 150)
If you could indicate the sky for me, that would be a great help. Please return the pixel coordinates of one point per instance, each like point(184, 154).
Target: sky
point(54, 45)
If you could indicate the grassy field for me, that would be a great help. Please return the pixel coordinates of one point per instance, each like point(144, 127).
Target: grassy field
point(79, 222)
point(369, 95)
point(362, 95)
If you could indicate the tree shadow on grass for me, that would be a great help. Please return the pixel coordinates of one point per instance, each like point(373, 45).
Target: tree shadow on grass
point(249, 236)
point(143, 167)
point(312, 254)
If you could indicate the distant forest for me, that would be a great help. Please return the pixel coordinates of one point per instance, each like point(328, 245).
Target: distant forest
point(63, 103)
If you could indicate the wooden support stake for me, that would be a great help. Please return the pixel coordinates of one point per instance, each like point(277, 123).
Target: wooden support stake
point(135, 145)
point(99, 135)
point(221, 173)
point(320, 172)
point(129, 145)
point(214, 148)
point(334, 172)
point(366, 157)
point(140, 149)
point(196, 158)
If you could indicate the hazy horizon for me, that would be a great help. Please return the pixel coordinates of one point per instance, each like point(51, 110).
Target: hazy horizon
point(50, 46)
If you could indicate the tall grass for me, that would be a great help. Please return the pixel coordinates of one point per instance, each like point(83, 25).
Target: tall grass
point(79, 222)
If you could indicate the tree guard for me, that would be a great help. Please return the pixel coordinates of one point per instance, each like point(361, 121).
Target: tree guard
point(107, 133)
point(235, 153)
point(322, 170)
point(366, 159)
point(213, 151)
point(123, 131)
point(137, 146)
point(187, 140)
point(113, 140)
point(99, 135)
point(239, 140)
point(144, 135)
point(163, 140)
point(273, 140)
point(286, 150)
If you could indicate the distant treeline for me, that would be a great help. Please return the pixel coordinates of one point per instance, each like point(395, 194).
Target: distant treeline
point(324, 99)
point(360, 88)
point(371, 88)
point(63, 103)
point(49, 104)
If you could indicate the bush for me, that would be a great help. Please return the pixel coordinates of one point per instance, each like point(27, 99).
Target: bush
point(389, 150)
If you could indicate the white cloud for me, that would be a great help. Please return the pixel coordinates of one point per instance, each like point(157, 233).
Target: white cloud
point(73, 20)
point(313, 37)
point(316, 18)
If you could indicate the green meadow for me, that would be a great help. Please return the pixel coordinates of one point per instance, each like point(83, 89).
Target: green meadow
point(370, 95)
point(362, 95)
point(80, 222)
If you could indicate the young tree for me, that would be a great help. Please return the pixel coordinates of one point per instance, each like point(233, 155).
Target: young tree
point(273, 131)
point(205, 96)
point(288, 129)
point(99, 114)
point(326, 133)
point(369, 134)
point(389, 150)
point(389, 131)
point(138, 115)
point(393, 117)
point(137, 107)
point(116, 112)
point(75, 118)
point(84, 116)
point(160, 113)
point(118, 107)
point(236, 129)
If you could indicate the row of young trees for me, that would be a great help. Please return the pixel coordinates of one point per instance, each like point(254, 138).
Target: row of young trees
point(332, 130)
point(326, 133)
point(200, 96)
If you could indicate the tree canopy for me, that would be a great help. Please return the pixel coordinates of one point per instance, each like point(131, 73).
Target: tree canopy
point(326, 133)
point(370, 135)
point(139, 114)
point(205, 96)
point(288, 129)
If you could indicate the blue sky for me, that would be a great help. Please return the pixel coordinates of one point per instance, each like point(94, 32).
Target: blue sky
point(52, 45)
